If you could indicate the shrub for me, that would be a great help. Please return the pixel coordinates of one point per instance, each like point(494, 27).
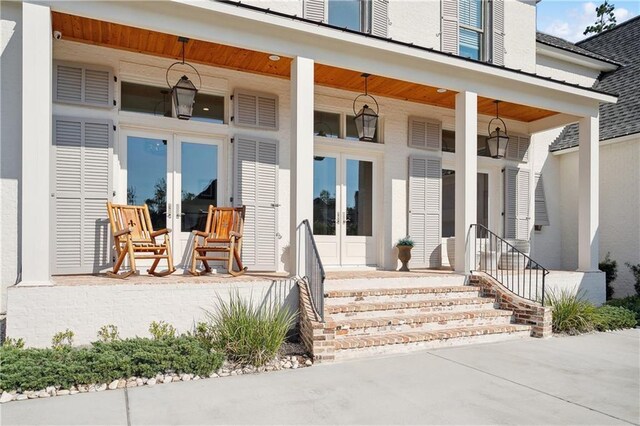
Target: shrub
point(108, 333)
point(610, 269)
point(613, 318)
point(406, 241)
point(162, 330)
point(103, 362)
point(635, 270)
point(631, 303)
point(571, 314)
point(62, 339)
point(247, 333)
point(13, 343)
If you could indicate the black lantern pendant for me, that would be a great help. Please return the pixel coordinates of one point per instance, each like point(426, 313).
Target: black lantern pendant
point(184, 91)
point(498, 138)
point(366, 119)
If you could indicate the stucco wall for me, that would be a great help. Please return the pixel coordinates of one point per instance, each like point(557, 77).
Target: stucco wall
point(10, 144)
point(562, 70)
point(520, 35)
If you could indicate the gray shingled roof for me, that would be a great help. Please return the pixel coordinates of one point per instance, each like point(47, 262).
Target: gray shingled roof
point(621, 44)
point(563, 44)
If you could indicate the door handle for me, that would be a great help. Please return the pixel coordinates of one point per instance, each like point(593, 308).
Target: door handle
point(169, 210)
point(178, 213)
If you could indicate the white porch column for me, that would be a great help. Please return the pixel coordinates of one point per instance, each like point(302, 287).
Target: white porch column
point(301, 155)
point(36, 143)
point(588, 193)
point(466, 168)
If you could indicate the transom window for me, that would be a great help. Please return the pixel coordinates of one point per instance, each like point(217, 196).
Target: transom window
point(472, 15)
point(352, 14)
point(337, 125)
point(449, 143)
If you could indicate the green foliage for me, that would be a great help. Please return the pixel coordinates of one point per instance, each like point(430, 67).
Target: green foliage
point(204, 332)
point(13, 343)
point(605, 19)
point(62, 339)
point(406, 241)
point(103, 362)
point(610, 269)
point(108, 333)
point(571, 314)
point(631, 303)
point(635, 270)
point(247, 333)
point(162, 330)
point(613, 318)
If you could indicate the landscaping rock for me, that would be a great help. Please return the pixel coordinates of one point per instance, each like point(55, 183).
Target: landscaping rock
point(113, 385)
point(196, 378)
point(132, 384)
point(167, 379)
point(32, 395)
point(82, 388)
point(6, 397)
point(43, 394)
point(151, 382)
point(122, 383)
point(139, 382)
point(73, 392)
point(92, 388)
point(51, 390)
point(308, 363)
point(102, 387)
point(63, 392)
point(213, 375)
point(287, 365)
point(20, 397)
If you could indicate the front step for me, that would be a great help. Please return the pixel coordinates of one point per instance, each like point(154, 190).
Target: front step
point(422, 322)
point(394, 343)
point(336, 297)
point(372, 310)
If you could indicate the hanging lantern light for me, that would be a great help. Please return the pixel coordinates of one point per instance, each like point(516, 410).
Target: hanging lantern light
point(366, 119)
point(184, 91)
point(498, 138)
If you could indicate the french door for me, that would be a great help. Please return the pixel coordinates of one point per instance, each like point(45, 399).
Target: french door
point(178, 177)
point(343, 209)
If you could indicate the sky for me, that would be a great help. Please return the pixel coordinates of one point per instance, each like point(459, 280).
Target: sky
point(568, 18)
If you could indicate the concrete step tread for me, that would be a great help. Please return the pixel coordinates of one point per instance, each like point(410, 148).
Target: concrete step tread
point(354, 323)
point(409, 304)
point(400, 291)
point(424, 336)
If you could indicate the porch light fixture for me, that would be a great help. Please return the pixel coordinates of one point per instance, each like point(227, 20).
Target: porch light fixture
point(498, 138)
point(366, 119)
point(184, 91)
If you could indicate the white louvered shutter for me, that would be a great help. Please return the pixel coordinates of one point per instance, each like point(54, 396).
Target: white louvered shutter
point(81, 184)
point(510, 201)
point(541, 214)
point(425, 184)
point(254, 109)
point(256, 187)
point(518, 148)
point(425, 134)
point(449, 35)
point(83, 84)
point(498, 32)
point(523, 194)
point(380, 18)
point(315, 10)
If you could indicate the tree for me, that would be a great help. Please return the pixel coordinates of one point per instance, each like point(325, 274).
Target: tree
point(605, 19)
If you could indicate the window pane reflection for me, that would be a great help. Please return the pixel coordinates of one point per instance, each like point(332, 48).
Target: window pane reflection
point(147, 177)
point(359, 197)
point(326, 124)
point(199, 184)
point(324, 196)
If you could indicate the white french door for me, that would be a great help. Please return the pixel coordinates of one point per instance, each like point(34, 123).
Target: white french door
point(178, 177)
point(343, 209)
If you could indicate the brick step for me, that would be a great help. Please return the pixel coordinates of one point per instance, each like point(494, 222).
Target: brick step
point(393, 343)
point(335, 297)
point(420, 322)
point(388, 308)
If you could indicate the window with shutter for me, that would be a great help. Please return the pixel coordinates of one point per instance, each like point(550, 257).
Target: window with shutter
point(83, 84)
point(541, 215)
point(255, 109)
point(256, 187)
point(498, 32)
point(425, 184)
point(314, 10)
point(516, 203)
point(81, 185)
point(380, 18)
point(425, 133)
point(449, 37)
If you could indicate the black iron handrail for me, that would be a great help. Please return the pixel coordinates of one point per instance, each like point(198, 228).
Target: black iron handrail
point(512, 268)
point(313, 270)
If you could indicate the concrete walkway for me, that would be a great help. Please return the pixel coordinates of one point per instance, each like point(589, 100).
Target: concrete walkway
point(591, 379)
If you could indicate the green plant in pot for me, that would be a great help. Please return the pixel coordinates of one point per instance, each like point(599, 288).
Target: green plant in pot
point(404, 246)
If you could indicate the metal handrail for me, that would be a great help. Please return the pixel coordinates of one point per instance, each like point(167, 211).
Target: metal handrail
point(518, 272)
point(314, 273)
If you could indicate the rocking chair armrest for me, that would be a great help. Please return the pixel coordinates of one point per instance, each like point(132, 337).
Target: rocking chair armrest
point(200, 234)
point(235, 234)
point(159, 232)
point(122, 232)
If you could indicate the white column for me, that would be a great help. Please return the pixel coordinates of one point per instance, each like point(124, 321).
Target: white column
point(588, 193)
point(301, 155)
point(36, 143)
point(466, 169)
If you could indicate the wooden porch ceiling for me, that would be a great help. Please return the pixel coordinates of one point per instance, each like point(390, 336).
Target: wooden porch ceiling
point(92, 31)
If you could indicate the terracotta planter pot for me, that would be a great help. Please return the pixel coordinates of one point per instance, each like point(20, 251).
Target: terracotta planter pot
point(404, 254)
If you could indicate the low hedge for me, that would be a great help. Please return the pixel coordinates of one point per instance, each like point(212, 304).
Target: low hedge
point(631, 303)
point(103, 362)
point(613, 318)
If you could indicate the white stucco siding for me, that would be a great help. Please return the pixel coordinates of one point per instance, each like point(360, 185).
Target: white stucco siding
point(562, 70)
point(520, 35)
point(10, 144)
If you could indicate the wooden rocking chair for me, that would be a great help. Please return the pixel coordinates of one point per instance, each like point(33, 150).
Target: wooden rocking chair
point(134, 236)
point(223, 237)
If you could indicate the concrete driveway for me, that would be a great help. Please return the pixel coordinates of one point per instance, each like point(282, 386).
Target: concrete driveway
point(591, 379)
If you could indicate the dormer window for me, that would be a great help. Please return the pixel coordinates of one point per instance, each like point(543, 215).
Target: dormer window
point(351, 14)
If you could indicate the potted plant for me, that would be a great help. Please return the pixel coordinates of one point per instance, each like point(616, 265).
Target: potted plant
point(404, 246)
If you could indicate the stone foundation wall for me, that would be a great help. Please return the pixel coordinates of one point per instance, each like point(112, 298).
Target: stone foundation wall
point(317, 337)
point(525, 311)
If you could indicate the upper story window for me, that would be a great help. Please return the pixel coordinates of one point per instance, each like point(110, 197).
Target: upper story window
point(352, 14)
point(472, 30)
point(338, 126)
